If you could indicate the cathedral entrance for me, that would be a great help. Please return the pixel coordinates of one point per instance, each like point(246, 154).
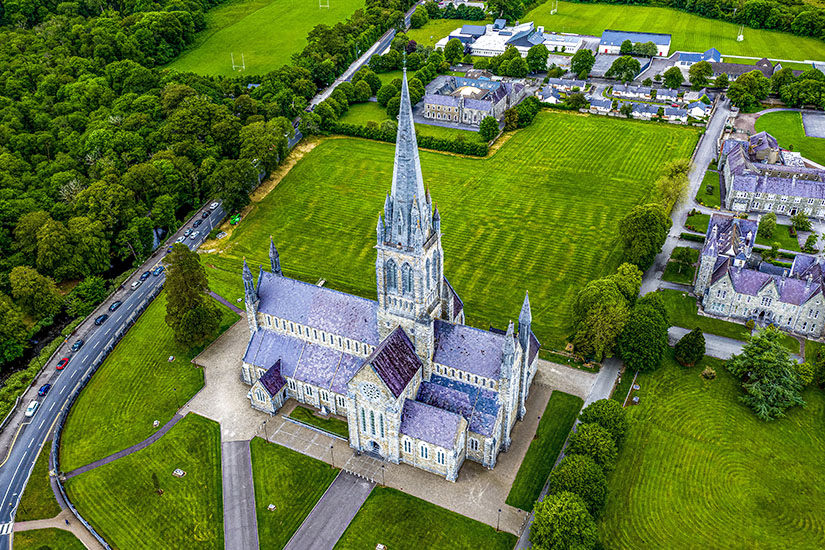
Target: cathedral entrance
point(374, 449)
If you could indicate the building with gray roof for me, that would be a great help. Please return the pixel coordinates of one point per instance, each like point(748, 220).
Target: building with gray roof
point(612, 40)
point(468, 101)
point(414, 383)
point(493, 39)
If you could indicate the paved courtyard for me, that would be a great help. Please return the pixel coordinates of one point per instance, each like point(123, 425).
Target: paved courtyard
point(814, 124)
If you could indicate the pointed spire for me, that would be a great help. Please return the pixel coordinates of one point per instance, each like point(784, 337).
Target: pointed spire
point(260, 275)
point(436, 219)
point(248, 283)
point(379, 230)
point(509, 340)
point(247, 274)
point(274, 258)
point(526, 316)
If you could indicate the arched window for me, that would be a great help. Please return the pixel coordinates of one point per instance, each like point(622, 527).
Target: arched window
point(363, 421)
point(381, 424)
point(391, 275)
point(372, 422)
point(436, 267)
point(428, 274)
point(406, 279)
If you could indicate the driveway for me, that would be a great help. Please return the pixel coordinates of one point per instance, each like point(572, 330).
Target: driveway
point(240, 526)
point(716, 346)
point(563, 378)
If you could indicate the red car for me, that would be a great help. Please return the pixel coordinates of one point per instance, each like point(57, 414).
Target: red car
point(62, 363)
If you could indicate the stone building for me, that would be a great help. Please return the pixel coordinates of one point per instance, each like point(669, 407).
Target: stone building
point(415, 384)
point(468, 101)
point(734, 283)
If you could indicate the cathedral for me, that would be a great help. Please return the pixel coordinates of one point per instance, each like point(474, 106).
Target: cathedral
point(415, 383)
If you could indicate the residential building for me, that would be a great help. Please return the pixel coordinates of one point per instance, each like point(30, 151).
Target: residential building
point(415, 384)
point(694, 96)
point(467, 101)
point(666, 95)
point(611, 42)
point(676, 114)
point(645, 111)
point(735, 70)
point(549, 95)
point(493, 39)
point(698, 109)
point(601, 106)
point(566, 84)
point(686, 59)
point(632, 92)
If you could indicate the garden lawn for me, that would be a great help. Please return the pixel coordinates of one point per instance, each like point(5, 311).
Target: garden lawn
point(332, 425)
point(536, 215)
point(681, 273)
point(403, 522)
point(135, 386)
point(712, 199)
point(682, 311)
point(689, 32)
point(47, 539)
point(436, 29)
point(292, 482)
point(622, 388)
point(781, 236)
point(697, 465)
point(38, 500)
point(361, 113)
point(555, 424)
point(698, 223)
point(787, 128)
point(120, 499)
point(266, 32)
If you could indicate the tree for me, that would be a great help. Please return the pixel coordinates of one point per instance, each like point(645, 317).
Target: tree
point(163, 213)
point(626, 48)
point(781, 78)
point(610, 415)
point(600, 312)
point(769, 375)
point(673, 78)
point(581, 62)
point(267, 143)
point(647, 82)
point(579, 474)
point(690, 349)
point(810, 244)
point(800, 221)
point(624, 68)
point(394, 106)
point(234, 179)
point(386, 93)
point(699, 74)
point(643, 341)
point(767, 225)
point(517, 68)
point(683, 256)
point(596, 442)
point(562, 522)
point(512, 10)
point(190, 312)
point(488, 129)
point(136, 240)
point(36, 294)
point(453, 51)
point(362, 92)
point(54, 252)
point(89, 245)
point(642, 232)
point(12, 331)
point(722, 81)
point(85, 297)
point(576, 101)
point(806, 373)
point(749, 89)
point(419, 17)
point(628, 279)
point(626, 109)
point(537, 58)
point(26, 230)
point(511, 120)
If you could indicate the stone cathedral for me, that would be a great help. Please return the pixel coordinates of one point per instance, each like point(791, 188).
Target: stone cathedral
point(415, 384)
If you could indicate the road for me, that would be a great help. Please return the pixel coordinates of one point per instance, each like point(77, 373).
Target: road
point(29, 434)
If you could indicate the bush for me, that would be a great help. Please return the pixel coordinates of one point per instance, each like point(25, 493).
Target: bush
point(708, 373)
point(592, 440)
point(608, 414)
point(692, 237)
point(579, 474)
point(690, 348)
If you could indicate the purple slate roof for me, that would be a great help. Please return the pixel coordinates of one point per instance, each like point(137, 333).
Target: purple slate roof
point(272, 380)
point(469, 349)
point(395, 361)
point(431, 424)
point(478, 104)
point(535, 345)
point(317, 365)
point(438, 99)
point(479, 406)
point(266, 347)
point(458, 305)
point(731, 235)
point(319, 307)
point(752, 183)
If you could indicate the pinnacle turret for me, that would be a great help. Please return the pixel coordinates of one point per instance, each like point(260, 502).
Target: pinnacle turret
point(526, 316)
point(274, 258)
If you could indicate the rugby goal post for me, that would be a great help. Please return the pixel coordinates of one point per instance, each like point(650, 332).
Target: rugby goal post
point(323, 4)
point(741, 36)
point(235, 67)
point(555, 7)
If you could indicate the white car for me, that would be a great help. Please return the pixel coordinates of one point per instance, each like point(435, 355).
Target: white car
point(194, 235)
point(31, 409)
point(213, 206)
point(136, 284)
point(180, 239)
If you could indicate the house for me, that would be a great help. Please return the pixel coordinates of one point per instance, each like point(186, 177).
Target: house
point(676, 114)
point(698, 109)
point(644, 111)
point(632, 92)
point(414, 383)
point(493, 39)
point(566, 84)
point(735, 70)
point(733, 283)
point(686, 59)
point(666, 95)
point(549, 95)
point(468, 101)
point(693, 96)
point(611, 42)
point(600, 106)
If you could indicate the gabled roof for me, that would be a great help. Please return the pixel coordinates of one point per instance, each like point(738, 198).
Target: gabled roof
point(470, 349)
point(615, 38)
point(479, 406)
point(431, 424)
point(272, 381)
point(395, 361)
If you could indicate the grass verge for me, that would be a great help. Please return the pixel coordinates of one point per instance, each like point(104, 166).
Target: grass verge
point(332, 425)
point(712, 199)
point(697, 222)
point(38, 501)
point(676, 272)
point(47, 539)
point(682, 311)
point(782, 236)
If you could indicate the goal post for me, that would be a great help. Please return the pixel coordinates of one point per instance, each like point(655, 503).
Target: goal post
point(323, 4)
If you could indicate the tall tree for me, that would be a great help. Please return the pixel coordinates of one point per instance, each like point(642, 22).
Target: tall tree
point(12, 331)
point(488, 129)
point(579, 474)
point(511, 10)
point(234, 179)
point(562, 522)
point(453, 51)
point(699, 74)
point(136, 240)
point(610, 415)
point(581, 62)
point(673, 78)
point(626, 48)
point(54, 252)
point(628, 279)
point(600, 313)
point(624, 68)
point(163, 213)
point(36, 294)
point(767, 225)
point(643, 341)
point(190, 312)
point(690, 349)
point(642, 232)
point(596, 442)
point(749, 89)
point(537, 58)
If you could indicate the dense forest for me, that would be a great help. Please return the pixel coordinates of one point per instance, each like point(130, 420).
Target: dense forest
point(100, 147)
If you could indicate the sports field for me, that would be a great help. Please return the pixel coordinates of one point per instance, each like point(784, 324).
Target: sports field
point(436, 29)
point(266, 32)
point(121, 499)
point(689, 32)
point(540, 214)
point(787, 128)
point(136, 385)
point(699, 470)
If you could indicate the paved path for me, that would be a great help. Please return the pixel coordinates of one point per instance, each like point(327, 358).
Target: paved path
point(240, 525)
point(332, 514)
point(59, 522)
point(717, 346)
point(226, 302)
point(136, 447)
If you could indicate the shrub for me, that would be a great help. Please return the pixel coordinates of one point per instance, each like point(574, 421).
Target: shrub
point(690, 348)
point(608, 414)
point(708, 373)
point(594, 441)
point(579, 474)
point(749, 324)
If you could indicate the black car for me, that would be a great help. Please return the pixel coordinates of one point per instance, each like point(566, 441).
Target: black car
point(206, 213)
point(77, 345)
point(145, 275)
point(197, 223)
point(115, 305)
point(158, 270)
point(102, 319)
point(44, 389)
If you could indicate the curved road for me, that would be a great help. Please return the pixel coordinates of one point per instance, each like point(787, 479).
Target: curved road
point(30, 434)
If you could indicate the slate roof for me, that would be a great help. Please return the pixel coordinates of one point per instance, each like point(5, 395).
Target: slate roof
point(470, 349)
point(458, 305)
point(665, 93)
point(791, 290)
point(566, 83)
point(735, 70)
point(602, 103)
point(615, 38)
point(319, 307)
point(479, 406)
point(272, 380)
point(431, 424)
point(675, 112)
point(395, 361)
point(645, 108)
point(731, 235)
point(535, 346)
point(474, 30)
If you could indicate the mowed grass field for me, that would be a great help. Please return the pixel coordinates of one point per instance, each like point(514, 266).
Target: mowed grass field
point(699, 470)
point(787, 128)
point(121, 501)
point(48, 539)
point(136, 385)
point(266, 32)
point(689, 32)
point(361, 113)
point(540, 214)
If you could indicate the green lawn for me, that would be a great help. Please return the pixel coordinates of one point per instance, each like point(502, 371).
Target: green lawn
point(555, 424)
point(538, 214)
point(38, 500)
point(689, 32)
point(699, 470)
point(389, 76)
point(682, 310)
point(292, 482)
point(403, 522)
point(620, 391)
point(680, 273)
point(47, 539)
point(135, 386)
point(120, 501)
point(781, 236)
point(698, 222)
point(436, 29)
point(361, 113)
point(332, 425)
point(266, 32)
point(711, 199)
point(787, 128)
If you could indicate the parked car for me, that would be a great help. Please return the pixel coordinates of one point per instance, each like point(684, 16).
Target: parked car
point(194, 235)
point(44, 389)
point(136, 284)
point(145, 275)
point(62, 363)
point(213, 206)
point(188, 230)
point(115, 305)
point(31, 409)
point(206, 213)
point(102, 319)
point(180, 239)
point(168, 249)
point(158, 270)
point(197, 223)
point(78, 344)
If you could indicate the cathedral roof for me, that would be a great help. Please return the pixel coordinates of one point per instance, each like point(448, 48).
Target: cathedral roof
point(535, 345)
point(319, 307)
point(479, 406)
point(272, 380)
point(395, 361)
point(458, 305)
point(469, 349)
point(431, 424)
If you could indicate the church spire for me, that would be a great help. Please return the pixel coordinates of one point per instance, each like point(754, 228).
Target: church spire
point(274, 258)
point(524, 320)
point(248, 282)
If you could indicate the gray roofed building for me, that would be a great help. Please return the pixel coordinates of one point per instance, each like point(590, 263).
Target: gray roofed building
point(612, 40)
point(431, 424)
point(735, 70)
point(468, 101)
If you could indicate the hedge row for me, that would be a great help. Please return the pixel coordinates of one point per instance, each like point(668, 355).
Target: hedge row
point(387, 134)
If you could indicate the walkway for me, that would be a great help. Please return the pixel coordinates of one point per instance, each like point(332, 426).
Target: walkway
point(226, 302)
point(120, 454)
point(59, 522)
point(332, 514)
point(240, 524)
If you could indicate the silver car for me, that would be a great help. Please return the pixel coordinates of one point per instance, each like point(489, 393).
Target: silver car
point(194, 235)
